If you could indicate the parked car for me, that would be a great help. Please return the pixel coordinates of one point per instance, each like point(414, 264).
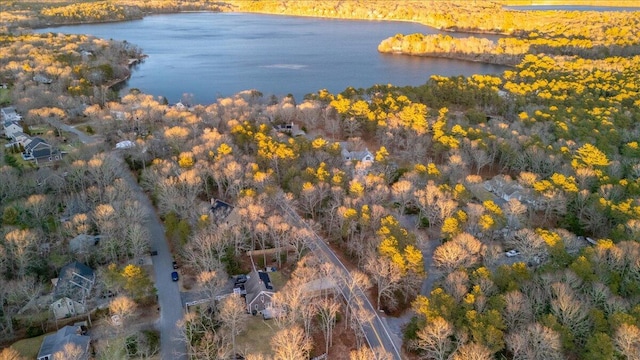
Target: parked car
point(512, 253)
point(240, 279)
point(175, 276)
point(175, 264)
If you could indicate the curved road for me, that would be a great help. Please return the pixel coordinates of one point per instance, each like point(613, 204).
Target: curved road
point(171, 311)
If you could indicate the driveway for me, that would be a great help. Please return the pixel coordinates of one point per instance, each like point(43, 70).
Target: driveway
point(84, 138)
point(171, 309)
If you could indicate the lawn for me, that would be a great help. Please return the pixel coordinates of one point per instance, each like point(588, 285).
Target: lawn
point(277, 279)
point(257, 336)
point(5, 99)
point(29, 348)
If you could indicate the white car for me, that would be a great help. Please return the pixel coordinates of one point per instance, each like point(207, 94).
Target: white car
point(512, 253)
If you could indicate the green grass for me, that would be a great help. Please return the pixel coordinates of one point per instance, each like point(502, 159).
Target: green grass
point(257, 336)
point(29, 348)
point(277, 279)
point(5, 99)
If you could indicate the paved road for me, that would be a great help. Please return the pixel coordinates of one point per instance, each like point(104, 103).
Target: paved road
point(171, 310)
point(376, 331)
point(84, 138)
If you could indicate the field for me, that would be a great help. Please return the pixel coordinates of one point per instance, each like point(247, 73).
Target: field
point(5, 99)
point(29, 348)
point(257, 337)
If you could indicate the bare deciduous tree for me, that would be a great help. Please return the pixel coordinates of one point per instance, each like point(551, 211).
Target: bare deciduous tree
point(365, 353)
point(567, 307)
point(356, 280)
point(203, 342)
point(627, 341)
point(535, 342)
point(386, 276)
point(233, 314)
point(463, 251)
point(70, 351)
point(456, 284)
point(10, 353)
point(517, 311)
point(327, 309)
point(435, 339)
point(124, 307)
point(290, 344)
point(472, 351)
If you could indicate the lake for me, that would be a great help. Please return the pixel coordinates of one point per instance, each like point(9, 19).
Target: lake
point(212, 55)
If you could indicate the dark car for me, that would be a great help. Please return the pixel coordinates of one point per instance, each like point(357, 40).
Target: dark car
point(175, 264)
point(175, 276)
point(240, 279)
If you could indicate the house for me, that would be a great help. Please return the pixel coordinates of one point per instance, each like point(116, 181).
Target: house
point(126, 144)
point(83, 244)
point(319, 287)
point(20, 138)
point(222, 212)
point(118, 115)
point(37, 148)
point(510, 191)
point(180, 106)
point(67, 335)
point(75, 283)
point(42, 79)
point(259, 292)
point(10, 114)
point(67, 307)
point(357, 156)
point(286, 128)
point(12, 127)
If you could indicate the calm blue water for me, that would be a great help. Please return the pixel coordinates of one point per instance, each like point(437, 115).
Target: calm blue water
point(211, 55)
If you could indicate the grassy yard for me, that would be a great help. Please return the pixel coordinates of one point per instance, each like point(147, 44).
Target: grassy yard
point(29, 348)
point(257, 336)
point(277, 279)
point(5, 99)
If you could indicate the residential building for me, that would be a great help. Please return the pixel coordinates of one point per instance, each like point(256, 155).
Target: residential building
point(222, 212)
point(55, 343)
point(66, 307)
point(259, 292)
point(10, 114)
point(75, 283)
point(364, 156)
point(11, 127)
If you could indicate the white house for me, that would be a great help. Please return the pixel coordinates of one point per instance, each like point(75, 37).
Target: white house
point(11, 127)
point(20, 138)
point(66, 307)
point(10, 114)
point(359, 156)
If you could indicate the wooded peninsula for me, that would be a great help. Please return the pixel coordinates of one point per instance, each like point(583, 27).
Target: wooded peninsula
point(487, 217)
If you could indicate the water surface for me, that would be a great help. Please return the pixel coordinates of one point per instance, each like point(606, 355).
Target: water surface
point(211, 55)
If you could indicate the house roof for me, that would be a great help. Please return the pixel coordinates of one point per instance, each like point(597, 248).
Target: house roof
point(68, 334)
point(220, 209)
point(354, 155)
point(257, 283)
point(73, 277)
point(29, 146)
point(82, 242)
point(8, 123)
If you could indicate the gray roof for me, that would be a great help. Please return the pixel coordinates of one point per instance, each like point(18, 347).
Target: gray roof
point(74, 277)
point(56, 342)
point(258, 282)
point(33, 143)
point(220, 209)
